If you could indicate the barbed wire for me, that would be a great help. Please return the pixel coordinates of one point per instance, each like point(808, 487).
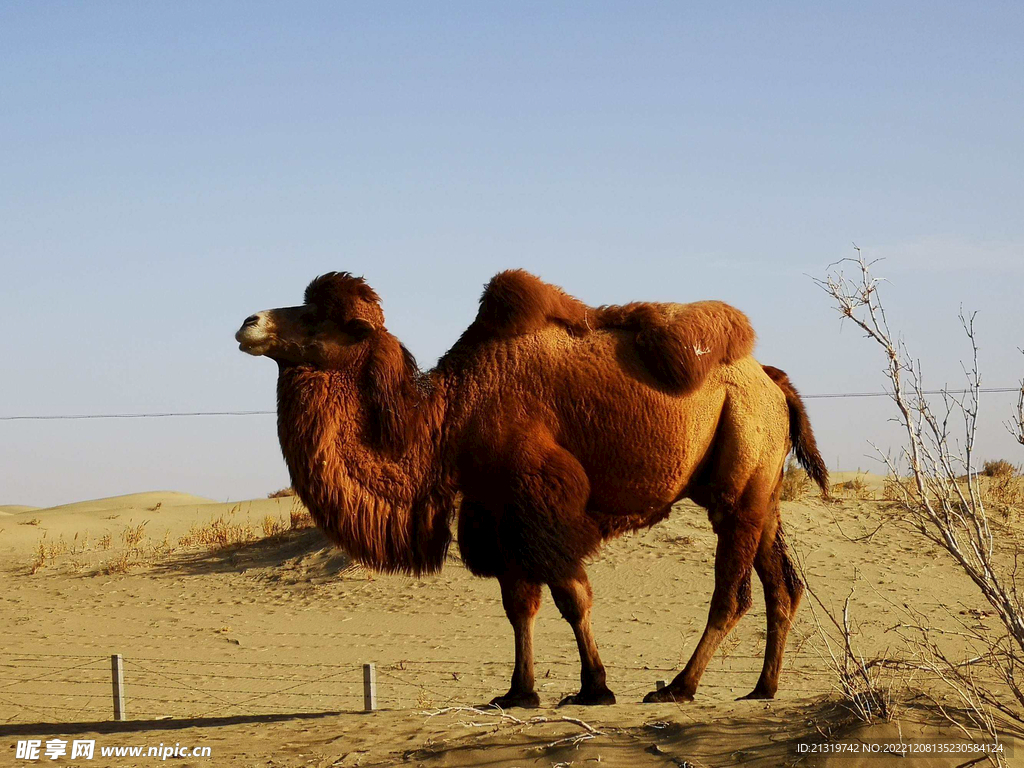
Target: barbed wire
point(186, 414)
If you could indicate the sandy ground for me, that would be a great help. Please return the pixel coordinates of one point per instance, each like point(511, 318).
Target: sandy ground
point(256, 649)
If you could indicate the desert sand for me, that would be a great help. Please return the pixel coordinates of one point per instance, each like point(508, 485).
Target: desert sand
point(255, 649)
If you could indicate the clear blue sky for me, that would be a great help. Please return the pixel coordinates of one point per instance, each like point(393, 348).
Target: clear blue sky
point(168, 168)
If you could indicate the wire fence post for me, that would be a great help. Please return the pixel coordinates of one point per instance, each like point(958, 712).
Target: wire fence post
point(117, 678)
point(369, 688)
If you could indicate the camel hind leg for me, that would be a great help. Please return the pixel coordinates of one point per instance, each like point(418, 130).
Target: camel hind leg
point(782, 591)
point(738, 538)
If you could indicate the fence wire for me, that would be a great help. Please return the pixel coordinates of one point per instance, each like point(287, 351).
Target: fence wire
point(78, 687)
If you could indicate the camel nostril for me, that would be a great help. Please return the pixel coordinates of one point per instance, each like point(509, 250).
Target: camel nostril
point(251, 320)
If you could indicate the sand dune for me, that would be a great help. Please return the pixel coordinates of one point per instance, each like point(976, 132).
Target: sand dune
point(256, 649)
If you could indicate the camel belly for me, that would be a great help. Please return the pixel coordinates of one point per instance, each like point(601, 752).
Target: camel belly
point(640, 461)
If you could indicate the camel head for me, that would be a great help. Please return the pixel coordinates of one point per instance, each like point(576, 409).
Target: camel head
point(340, 327)
point(330, 329)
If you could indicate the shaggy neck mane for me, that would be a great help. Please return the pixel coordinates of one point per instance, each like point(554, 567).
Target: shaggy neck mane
point(363, 448)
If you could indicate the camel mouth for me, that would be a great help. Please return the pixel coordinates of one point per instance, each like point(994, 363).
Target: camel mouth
point(252, 340)
point(256, 350)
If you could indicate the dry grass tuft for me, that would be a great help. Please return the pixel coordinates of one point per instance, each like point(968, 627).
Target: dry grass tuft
point(795, 482)
point(284, 492)
point(273, 526)
point(134, 552)
point(219, 533)
point(48, 551)
point(299, 517)
point(1005, 485)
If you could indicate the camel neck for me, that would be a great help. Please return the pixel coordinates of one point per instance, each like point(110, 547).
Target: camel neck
point(389, 508)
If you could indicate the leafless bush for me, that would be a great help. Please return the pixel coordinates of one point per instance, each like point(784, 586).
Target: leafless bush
point(944, 502)
point(1016, 423)
point(871, 689)
point(283, 493)
point(970, 679)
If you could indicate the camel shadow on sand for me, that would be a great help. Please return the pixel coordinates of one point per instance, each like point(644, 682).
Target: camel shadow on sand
point(293, 555)
point(44, 729)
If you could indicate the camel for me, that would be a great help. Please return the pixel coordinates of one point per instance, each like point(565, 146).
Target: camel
point(548, 428)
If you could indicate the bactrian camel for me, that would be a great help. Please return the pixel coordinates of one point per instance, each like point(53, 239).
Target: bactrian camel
point(548, 428)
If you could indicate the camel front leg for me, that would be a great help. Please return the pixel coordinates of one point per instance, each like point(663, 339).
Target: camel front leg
point(521, 600)
point(574, 597)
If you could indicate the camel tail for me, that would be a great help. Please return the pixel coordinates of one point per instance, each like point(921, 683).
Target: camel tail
point(800, 433)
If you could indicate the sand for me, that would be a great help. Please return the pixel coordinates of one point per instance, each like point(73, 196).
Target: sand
point(256, 649)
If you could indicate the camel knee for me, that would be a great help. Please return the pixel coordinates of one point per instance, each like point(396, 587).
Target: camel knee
point(573, 601)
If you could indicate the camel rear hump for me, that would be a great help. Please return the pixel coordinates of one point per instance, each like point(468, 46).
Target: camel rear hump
point(681, 343)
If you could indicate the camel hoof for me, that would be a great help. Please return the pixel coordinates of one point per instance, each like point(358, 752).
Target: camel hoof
point(528, 700)
point(756, 695)
point(588, 698)
point(666, 695)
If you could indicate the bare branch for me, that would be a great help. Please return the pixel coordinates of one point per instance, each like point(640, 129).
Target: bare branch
point(499, 716)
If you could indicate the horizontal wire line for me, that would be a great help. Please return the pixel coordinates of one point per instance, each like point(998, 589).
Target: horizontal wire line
point(176, 414)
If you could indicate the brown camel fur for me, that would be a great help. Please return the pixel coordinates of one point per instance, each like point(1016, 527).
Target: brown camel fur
point(549, 427)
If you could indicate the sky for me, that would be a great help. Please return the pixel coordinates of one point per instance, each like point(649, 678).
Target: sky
point(166, 169)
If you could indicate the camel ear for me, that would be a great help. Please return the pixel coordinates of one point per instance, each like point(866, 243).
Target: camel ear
point(391, 391)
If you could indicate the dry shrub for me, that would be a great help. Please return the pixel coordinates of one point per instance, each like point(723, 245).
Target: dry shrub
point(105, 541)
point(998, 468)
point(1005, 485)
point(133, 536)
point(40, 560)
point(896, 488)
point(283, 493)
point(77, 547)
point(795, 482)
point(854, 488)
point(872, 690)
point(122, 563)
